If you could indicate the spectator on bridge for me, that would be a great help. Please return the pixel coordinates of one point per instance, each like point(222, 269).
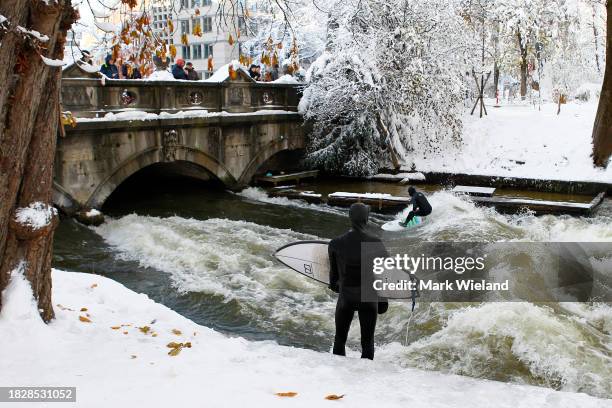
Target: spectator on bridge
point(178, 71)
point(130, 71)
point(109, 69)
point(255, 72)
point(274, 73)
point(86, 57)
point(192, 74)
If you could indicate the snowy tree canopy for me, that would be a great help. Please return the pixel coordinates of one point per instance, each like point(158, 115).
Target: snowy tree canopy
point(392, 79)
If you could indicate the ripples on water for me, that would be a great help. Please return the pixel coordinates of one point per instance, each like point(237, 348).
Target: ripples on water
point(210, 265)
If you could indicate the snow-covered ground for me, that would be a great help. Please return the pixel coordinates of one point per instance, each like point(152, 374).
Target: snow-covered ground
point(110, 343)
point(521, 141)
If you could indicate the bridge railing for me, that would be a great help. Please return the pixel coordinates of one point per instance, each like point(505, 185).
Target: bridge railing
point(90, 98)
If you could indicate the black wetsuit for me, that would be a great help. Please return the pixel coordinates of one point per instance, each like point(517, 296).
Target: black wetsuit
point(345, 279)
point(420, 206)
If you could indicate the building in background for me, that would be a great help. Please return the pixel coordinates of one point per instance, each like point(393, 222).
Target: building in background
point(214, 39)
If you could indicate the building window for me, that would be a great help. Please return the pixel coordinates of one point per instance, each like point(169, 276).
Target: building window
point(196, 51)
point(184, 4)
point(208, 50)
point(194, 23)
point(206, 24)
point(206, 2)
point(186, 52)
point(195, 3)
point(184, 26)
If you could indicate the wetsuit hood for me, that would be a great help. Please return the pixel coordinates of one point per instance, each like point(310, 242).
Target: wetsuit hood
point(411, 191)
point(359, 214)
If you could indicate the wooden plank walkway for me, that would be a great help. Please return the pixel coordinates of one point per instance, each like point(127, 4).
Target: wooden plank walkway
point(474, 191)
point(282, 178)
point(378, 202)
point(506, 204)
point(293, 194)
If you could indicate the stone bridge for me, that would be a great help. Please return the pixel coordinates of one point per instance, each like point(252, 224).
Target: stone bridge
point(227, 130)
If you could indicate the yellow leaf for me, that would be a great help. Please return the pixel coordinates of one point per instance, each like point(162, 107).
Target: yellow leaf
point(95, 285)
point(230, 40)
point(144, 329)
point(177, 332)
point(175, 351)
point(125, 332)
point(286, 394)
point(153, 334)
point(115, 327)
point(188, 344)
point(184, 39)
point(83, 309)
point(84, 319)
point(172, 50)
point(174, 345)
point(332, 397)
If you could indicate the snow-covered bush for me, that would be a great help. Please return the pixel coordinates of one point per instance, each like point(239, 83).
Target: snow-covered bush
point(588, 91)
point(390, 80)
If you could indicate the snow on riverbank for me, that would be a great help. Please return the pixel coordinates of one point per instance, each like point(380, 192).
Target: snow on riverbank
point(110, 343)
point(521, 141)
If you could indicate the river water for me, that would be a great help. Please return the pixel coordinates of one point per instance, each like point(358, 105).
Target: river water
point(207, 253)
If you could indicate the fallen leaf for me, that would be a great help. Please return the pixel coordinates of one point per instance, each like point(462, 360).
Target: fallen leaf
point(95, 285)
point(153, 334)
point(115, 327)
point(84, 319)
point(175, 351)
point(83, 309)
point(172, 344)
point(177, 332)
point(125, 332)
point(144, 329)
point(286, 394)
point(333, 397)
point(188, 344)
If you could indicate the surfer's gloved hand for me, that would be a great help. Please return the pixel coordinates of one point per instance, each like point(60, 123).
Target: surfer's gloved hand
point(383, 306)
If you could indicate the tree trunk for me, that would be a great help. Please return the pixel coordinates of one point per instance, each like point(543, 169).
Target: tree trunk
point(29, 116)
point(596, 40)
point(495, 79)
point(523, 65)
point(602, 130)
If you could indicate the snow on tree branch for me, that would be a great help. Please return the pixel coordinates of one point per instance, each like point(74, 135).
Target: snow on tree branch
point(390, 65)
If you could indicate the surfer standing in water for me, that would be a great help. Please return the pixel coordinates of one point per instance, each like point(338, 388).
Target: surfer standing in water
point(420, 206)
point(345, 279)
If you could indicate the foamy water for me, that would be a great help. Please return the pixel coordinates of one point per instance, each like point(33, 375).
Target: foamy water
point(565, 346)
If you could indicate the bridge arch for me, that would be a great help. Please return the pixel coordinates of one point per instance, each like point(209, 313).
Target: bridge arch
point(267, 152)
point(153, 156)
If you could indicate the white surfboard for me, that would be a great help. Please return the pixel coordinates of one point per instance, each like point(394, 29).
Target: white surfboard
point(311, 258)
point(395, 224)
